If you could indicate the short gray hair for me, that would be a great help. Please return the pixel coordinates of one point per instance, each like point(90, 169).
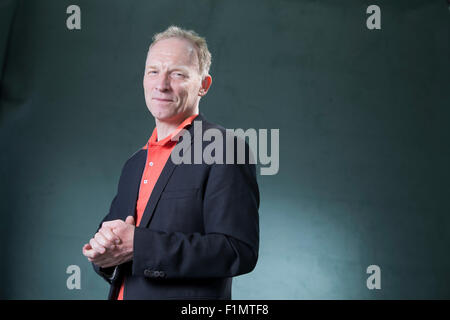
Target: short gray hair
point(203, 54)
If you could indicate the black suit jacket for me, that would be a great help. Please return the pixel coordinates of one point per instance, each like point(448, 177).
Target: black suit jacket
point(199, 229)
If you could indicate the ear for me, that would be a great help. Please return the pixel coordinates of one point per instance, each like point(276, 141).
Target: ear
point(206, 84)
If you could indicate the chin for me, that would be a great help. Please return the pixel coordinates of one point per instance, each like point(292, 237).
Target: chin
point(164, 114)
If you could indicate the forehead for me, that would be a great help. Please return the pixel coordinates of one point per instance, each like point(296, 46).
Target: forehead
point(173, 51)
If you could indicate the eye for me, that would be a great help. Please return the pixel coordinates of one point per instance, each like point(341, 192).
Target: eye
point(152, 72)
point(178, 75)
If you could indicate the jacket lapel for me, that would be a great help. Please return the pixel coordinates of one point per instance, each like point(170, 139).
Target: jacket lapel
point(138, 170)
point(161, 182)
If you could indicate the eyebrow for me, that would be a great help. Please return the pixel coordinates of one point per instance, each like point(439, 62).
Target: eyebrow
point(172, 69)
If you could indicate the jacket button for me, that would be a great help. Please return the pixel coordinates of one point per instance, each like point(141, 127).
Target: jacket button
point(148, 273)
point(162, 274)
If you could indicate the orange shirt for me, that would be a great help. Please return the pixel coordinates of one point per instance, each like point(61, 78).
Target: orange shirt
point(158, 152)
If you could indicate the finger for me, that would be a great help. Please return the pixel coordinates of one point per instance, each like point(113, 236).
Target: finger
point(96, 246)
point(111, 236)
point(103, 241)
point(112, 224)
point(85, 249)
point(97, 260)
point(91, 254)
point(130, 220)
point(118, 230)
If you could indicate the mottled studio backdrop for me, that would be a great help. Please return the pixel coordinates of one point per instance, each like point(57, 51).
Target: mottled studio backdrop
point(364, 137)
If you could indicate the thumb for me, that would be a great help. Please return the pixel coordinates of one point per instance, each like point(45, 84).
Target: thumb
point(130, 220)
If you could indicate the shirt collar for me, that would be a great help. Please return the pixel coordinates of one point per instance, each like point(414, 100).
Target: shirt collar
point(168, 140)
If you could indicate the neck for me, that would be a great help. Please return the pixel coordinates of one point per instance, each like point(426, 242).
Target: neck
point(165, 128)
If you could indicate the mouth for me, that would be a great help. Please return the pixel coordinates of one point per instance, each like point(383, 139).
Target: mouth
point(162, 99)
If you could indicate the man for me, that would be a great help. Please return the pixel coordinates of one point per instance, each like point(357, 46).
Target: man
point(177, 231)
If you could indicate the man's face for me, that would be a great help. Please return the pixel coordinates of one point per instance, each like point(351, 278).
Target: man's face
point(172, 80)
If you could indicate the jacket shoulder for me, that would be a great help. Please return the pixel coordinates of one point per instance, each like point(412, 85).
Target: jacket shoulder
point(135, 158)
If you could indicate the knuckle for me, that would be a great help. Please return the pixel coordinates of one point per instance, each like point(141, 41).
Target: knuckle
point(109, 236)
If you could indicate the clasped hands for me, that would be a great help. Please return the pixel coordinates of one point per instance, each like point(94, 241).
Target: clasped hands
point(112, 244)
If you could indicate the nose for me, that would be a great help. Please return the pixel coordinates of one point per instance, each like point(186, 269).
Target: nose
point(162, 82)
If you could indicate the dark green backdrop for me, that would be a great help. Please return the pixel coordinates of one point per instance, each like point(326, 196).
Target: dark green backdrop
point(364, 137)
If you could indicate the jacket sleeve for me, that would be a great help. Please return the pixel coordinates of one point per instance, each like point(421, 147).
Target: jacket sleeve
point(229, 246)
